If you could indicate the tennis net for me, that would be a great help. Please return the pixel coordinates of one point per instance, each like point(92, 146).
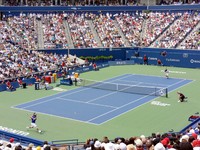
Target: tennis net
point(134, 89)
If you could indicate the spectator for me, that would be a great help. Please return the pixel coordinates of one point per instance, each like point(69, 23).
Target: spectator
point(159, 62)
point(20, 82)
point(95, 66)
point(30, 146)
point(97, 145)
point(159, 146)
point(145, 60)
point(186, 146)
point(149, 144)
point(9, 85)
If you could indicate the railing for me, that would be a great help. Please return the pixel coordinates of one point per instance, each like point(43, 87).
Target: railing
point(19, 9)
point(19, 138)
point(72, 144)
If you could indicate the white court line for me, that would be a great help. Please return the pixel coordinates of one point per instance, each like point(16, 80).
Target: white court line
point(54, 115)
point(60, 93)
point(117, 108)
point(93, 118)
point(148, 101)
point(105, 95)
point(110, 111)
point(152, 84)
point(171, 71)
point(51, 99)
point(24, 108)
point(160, 76)
point(112, 93)
point(143, 103)
point(51, 96)
point(131, 103)
point(86, 102)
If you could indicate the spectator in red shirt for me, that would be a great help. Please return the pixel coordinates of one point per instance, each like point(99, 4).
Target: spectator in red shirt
point(20, 82)
point(159, 62)
point(37, 79)
point(145, 59)
point(9, 86)
point(95, 66)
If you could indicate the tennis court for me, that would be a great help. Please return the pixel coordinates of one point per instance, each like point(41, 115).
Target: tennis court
point(99, 105)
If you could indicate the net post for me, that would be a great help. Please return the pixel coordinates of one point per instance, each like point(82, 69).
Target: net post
point(166, 93)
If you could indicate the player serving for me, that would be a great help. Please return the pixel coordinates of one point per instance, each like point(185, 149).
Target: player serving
point(33, 119)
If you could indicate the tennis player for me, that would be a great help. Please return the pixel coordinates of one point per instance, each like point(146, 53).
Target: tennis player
point(33, 119)
point(182, 97)
point(166, 73)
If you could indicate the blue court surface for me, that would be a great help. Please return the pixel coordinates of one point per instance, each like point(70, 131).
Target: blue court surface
point(98, 106)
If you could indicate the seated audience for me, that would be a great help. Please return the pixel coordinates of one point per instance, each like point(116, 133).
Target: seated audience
point(9, 86)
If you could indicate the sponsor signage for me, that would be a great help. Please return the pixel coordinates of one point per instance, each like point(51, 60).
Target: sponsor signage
point(194, 61)
point(152, 58)
point(65, 82)
point(173, 60)
point(157, 103)
point(125, 62)
point(10, 130)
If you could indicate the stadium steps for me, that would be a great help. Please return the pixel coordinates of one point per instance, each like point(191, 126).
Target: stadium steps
point(162, 34)
point(40, 34)
point(189, 35)
point(79, 61)
point(94, 32)
point(148, 2)
point(144, 29)
point(127, 43)
point(68, 35)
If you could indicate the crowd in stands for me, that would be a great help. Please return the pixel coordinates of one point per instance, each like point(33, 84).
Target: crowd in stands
point(53, 31)
point(67, 2)
point(154, 29)
point(18, 62)
point(178, 30)
point(81, 33)
point(156, 24)
point(178, 2)
point(27, 3)
point(189, 140)
point(7, 35)
point(24, 27)
point(192, 42)
point(11, 144)
point(107, 31)
point(19, 35)
point(131, 26)
point(96, 2)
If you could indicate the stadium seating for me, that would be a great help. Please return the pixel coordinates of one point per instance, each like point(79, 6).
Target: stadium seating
point(154, 29)
point(20, 35)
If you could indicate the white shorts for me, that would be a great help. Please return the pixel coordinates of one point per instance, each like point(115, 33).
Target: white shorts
point(33, 125)
point(166, 74)
point(46, 85)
